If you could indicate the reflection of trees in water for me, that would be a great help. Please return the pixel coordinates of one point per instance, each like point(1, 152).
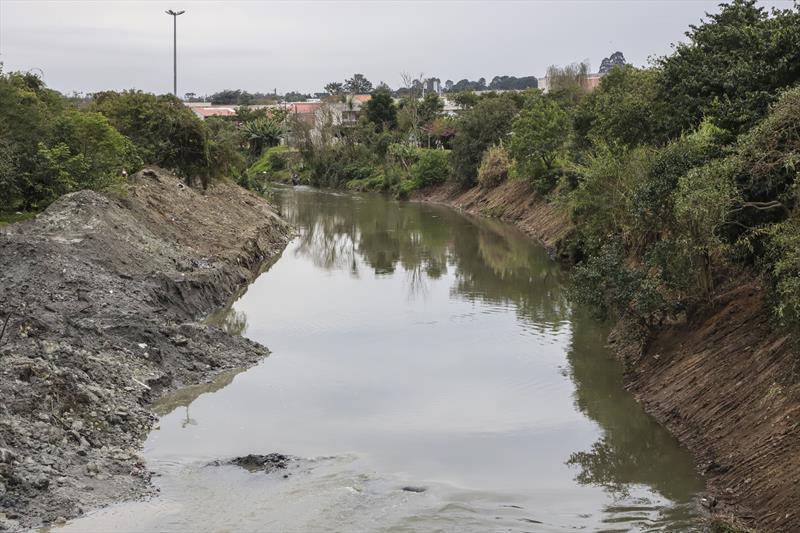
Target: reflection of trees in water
point(229, 319)
point(492, 261)
point(498, 264)
point(634, 449)
point(185, 396)
point(234, 322)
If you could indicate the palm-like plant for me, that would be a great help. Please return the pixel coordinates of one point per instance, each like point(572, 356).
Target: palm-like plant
point(262, 133)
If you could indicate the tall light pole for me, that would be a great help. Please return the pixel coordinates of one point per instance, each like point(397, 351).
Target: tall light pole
point(174, 48)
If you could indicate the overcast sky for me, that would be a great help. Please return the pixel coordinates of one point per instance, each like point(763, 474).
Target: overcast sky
point(259, 46)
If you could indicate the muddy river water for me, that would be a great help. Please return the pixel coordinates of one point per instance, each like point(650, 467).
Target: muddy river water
point(412, 347)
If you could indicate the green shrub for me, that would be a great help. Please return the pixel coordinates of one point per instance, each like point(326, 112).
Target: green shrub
point(374, 183)
point(477, 128)
point(782, 268)
point(494, 168)
point(404, 189)
point(279, 157)
point(431, 168)
point(165, 132)
point(540, 133)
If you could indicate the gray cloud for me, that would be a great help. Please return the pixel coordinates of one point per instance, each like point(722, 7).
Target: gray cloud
point(259, 46)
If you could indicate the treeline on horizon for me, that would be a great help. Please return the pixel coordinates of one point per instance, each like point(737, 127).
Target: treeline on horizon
point(680, 178)
point(359, 84)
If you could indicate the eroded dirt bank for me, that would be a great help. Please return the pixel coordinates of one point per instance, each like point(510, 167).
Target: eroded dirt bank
point(100, 303)
point(726, 384)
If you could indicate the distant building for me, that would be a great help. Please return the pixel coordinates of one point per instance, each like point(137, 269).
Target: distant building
point(205, 111)
point(346, 113)
point(592, 82)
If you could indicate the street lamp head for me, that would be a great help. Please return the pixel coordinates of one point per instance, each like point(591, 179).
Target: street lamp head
point(173, 13)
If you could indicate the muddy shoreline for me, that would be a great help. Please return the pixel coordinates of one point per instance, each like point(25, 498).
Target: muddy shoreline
point(724, 384)
point(103, 300)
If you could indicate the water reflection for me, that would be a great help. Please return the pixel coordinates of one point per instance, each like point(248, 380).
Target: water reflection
point(634, 449)
point(496, 263)
point(185, 396)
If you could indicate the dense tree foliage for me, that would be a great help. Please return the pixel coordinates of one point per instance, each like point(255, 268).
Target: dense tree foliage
point(48, 149)
point(617, 59)
point(732, 67)
point(165, 132)
point(539, 135)
point(485, 124)
point(51, 145)
point(380, 110)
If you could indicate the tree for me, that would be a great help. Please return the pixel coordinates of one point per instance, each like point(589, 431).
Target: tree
point(262, 133)
point(96, 153)
point(358, 84)
point(465, 99)
point(381, 111)
point(430, 108)
point(27, 113)
point(732, 67)
point(165, 132)
point(478, 128)
point(408, 117)
point(334, 88)
point(617, 59)
point(225, 142)
point(539, 134)
point(625, 110)
point(294, 96)
point(512, 83)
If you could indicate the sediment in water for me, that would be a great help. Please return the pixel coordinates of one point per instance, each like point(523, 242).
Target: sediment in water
point(725, 383)
point(103, 299)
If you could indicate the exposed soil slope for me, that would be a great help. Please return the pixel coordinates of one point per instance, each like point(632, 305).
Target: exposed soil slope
point(102, 298)
point(727, 384)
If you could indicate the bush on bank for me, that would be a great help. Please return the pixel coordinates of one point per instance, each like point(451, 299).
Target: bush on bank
point(52, 145)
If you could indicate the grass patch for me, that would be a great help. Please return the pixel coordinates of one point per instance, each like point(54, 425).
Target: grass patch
point(10, 218)
point(494, 212)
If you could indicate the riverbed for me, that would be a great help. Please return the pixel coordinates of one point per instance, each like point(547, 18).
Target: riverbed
point(428, 373)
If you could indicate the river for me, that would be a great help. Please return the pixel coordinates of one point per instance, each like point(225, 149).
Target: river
point(412, 347)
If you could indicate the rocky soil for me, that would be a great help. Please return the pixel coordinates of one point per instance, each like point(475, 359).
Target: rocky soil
point(101, 308)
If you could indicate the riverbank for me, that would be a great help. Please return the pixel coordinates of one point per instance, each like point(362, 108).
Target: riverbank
point(101, 300)
point(725, 384)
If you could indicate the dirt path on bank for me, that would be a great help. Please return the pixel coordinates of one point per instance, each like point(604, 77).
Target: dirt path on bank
point(726, 385)
point(100, 300)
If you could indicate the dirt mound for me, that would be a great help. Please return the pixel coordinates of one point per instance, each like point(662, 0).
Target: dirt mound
point(259, 463)
point(100, 299)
